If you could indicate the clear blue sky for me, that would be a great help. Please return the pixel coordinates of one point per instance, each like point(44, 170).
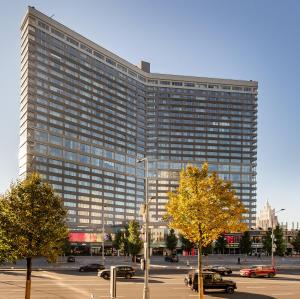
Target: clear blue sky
point(257, 39)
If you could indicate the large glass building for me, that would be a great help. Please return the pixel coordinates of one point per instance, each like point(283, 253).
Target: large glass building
point(87, 115)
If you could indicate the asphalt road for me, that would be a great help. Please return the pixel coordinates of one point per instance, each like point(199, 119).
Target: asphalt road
point(165, 283)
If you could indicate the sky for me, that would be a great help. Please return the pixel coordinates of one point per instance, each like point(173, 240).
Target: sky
point(250, 40)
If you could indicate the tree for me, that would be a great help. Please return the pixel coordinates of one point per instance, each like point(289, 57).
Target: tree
point(171, 241)
point(220, 244)
point(117, 241)
point(32, 218)
point(267, 242)
point(296, 242)
point(202, 208)
point(120, 242)
point(278, 241)
point(186, 244)
point(245, 243)
point(135, 244)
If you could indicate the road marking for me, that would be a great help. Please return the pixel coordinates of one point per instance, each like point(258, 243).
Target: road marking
point(282, 294)
point(47, 274)
point(64, 285)
point(267, 282)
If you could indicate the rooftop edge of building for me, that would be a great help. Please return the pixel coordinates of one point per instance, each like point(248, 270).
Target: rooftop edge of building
point(144, 69)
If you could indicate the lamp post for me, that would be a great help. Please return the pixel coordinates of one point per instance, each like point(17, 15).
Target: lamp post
point(146, 291)
point(103, 234)
point(272, 236)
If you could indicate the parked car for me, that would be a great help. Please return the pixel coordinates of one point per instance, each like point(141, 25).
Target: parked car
point(121, 271)
point(71, 259)
point(138, 258)
point(258, 271)
point(91, 268)
point(222, 270)
point(211, 281)
point(172, 258)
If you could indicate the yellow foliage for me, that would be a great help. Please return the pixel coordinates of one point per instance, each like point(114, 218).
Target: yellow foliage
point(204, 206)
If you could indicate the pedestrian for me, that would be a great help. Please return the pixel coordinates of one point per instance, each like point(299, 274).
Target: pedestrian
point(239, 261)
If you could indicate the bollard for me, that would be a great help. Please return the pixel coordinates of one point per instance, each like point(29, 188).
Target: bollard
point(113, 282)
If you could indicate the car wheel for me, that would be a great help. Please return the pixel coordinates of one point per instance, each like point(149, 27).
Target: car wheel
point(270, 275)
point(80, 270)
point(230, 290)
point(252, 275)
point(127, 276)
point(105, 276)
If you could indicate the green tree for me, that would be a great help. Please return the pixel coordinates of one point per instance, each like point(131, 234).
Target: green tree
point(279, 241)
point(120, 241)
point(296, 242)
point(135, 244)
point(124, 246)
point(186, 244)
point(32, 218)
point(117, 241)
point(171, 240)
point(245, 243)
point(267, 242)
point(66, 247)
point(220, 244)
point(202, 208)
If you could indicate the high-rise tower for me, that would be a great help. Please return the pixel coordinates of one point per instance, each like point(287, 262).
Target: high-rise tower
point(87, 115)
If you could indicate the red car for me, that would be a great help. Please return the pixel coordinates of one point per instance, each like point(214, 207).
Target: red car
point(257, 271)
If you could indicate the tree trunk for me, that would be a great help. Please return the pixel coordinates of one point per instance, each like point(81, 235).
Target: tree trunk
point(28, 278)
point(200, 277)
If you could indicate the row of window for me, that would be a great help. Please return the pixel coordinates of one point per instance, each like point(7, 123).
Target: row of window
point(121, 67)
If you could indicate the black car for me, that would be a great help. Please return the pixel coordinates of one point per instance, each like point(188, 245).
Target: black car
point(121, 271)
point(91, 268)
point(172, 258)
point(71, 259)
point(222, 270)
point(211, 281)
point(137, 258)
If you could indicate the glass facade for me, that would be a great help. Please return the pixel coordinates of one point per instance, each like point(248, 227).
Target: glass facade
point(87, 115)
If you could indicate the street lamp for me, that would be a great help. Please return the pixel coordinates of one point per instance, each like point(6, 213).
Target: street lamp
point(146, 291)
point(103, 234)
point(272, 236)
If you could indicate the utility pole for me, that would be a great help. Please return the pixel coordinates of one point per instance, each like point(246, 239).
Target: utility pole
point(103, 234)
point(146, 291)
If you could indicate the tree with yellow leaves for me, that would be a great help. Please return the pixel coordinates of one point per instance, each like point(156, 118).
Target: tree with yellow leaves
point(203, 207)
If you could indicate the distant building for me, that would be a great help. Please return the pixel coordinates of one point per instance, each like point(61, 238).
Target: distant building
point(266, 217)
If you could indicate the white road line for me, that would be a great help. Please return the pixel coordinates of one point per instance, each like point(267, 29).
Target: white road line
point(268, 282)
point(282, 294)
point(47, 274)
point(58, 282)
